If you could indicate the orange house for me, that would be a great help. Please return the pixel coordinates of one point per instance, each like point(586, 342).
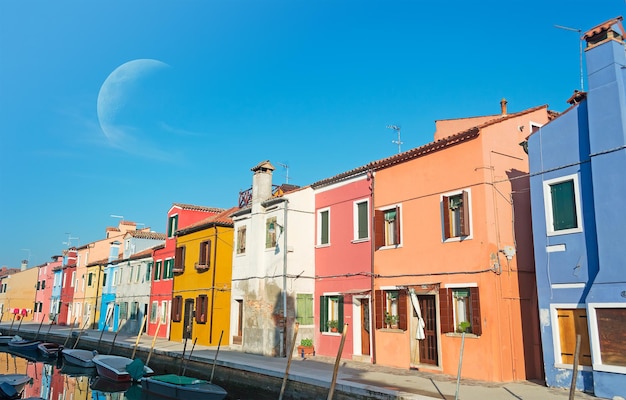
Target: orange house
point(453, 256)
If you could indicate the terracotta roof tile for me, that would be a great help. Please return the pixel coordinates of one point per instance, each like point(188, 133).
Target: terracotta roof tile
point(605, 26)
point(221, 219)
point(197, 208)
point(147, 235)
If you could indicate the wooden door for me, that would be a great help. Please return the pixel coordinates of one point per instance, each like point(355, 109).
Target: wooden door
point(187, 330)
point(365, 327)
point(428, 346)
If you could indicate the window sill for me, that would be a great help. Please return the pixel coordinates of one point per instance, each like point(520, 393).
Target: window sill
point(360, 240)
point(392, 330)
point(331, 334)
point(570, 366)
point(390, 247)
point(321, 246)
point(467, 335)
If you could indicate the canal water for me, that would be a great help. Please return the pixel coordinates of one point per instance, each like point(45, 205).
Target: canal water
point(52, 379)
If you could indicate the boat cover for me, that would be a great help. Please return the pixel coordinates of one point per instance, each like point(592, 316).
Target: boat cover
point(178, 379)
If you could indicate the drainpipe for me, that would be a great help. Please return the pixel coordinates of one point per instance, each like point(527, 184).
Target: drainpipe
point(372, 249)
point(286, 203)
point(213, 287)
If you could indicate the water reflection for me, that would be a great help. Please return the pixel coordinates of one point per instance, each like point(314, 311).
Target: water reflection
point(52, 379)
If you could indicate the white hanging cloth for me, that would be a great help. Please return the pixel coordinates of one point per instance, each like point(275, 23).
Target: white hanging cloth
point(419, 335)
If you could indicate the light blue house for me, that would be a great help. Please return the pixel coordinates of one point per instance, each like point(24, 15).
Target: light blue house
point(578, 192)
point(109, 312)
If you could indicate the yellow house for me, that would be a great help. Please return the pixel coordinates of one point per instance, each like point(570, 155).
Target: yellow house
point(93, 277)
point(20, 290)
point(202, 281)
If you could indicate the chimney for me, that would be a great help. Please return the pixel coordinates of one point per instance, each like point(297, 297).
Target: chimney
point(262, 182)
point(24, 265)
point(503, 103)
point(605, 32)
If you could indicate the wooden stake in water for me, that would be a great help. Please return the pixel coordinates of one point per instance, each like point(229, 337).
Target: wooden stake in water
point(156, 335)
point(40, 324)
point(572, 388)
point(193, 346)
point(143, 323)
point(336, 370)
point(69, 334)
point(115, 336)
point(106, 323)
point(293, 343)
point(216, 353)
point(81, 332)
point(458, 374)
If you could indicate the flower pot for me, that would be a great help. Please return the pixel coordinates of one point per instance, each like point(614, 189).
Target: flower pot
point(304, 351)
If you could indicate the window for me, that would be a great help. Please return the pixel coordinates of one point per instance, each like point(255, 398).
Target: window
point(391, 308)
point(39, 285)
point(138, 276)
point(611, 336)
point(562, 205)
point(456, 213)
point(304, 308)
point(361, 220)
point(202, 307)
point(323, 227)
point(134, 307)
point(149, 271)
point(104, 279)
point(168, 270)
point(89, 279)
point(123, 310)
point(115, 275)
point(130, 275)
point(241, 240)
point(157, 270)
point(387, 225)
point(164, 308)
point(204, 259)
point(331, 313)
point(73, 279)
point(460, 310)
point(270, 232)
point(570, 323)
point(43, 285)
point(154, 311)
point(179, 260)
point(172, 225)
point(177, 308)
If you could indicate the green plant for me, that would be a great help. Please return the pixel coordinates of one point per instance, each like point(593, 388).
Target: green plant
point(306, 342)
point(391, 319)
point(333, 324)
point(464, 327)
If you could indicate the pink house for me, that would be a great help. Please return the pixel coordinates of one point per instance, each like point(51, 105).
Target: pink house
point(45, 282)
point(343, 264)
point(179, 216)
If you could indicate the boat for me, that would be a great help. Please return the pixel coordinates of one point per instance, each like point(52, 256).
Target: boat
point(82, 358)
point(181, 387)
point(18, 343)
point(121, 369)
point(12, 385)
point(107, 386)
point(5, 339)
point(50, 349)
point(76, 371)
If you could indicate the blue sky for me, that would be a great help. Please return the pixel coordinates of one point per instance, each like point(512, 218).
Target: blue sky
point(125, 107)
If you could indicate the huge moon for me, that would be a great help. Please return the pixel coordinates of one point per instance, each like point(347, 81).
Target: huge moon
point(118, 95)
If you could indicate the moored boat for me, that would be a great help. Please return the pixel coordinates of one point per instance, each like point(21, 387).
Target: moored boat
point(23, 344)
point(182, 387)
point(121, 369)
point(50, 349)
point(5, 339)
point(82, 358)
point(12, 385)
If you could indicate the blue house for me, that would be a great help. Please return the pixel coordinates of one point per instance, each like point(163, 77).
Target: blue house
point(578, 189)
point(109, 311)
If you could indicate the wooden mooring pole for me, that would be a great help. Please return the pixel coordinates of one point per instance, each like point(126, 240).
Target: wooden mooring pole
point(572, 388)
point(336, 369)
point(289, 357)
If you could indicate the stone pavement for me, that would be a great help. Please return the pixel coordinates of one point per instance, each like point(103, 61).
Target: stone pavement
point(353, 377)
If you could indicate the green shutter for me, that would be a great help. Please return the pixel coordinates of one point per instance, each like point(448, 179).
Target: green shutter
point(323, 313)
point(340, 307)
point(304, 309)
point(563, 205)
point(324, 228)
point(362, 220)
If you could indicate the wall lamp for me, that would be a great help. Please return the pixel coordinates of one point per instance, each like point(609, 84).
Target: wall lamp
point(272, 227)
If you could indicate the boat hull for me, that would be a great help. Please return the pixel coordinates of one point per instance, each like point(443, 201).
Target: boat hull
point(50, 349)
point(182, 388)
point(18, 381)
point(24, 345)
point(114, 368)
point(81, 358)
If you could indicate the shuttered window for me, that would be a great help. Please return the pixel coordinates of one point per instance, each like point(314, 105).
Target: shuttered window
point(241, 240)
point(393, 302)
point(331, 313)
point(304, 309)
point(572, 322)
point(563, 205)
point(459, 310)
point(387, 227)
point(362, 226)
point(204, 258)
point(612, 335)
point(177, 308)
point(202, 307)
point(323, 227)
point(456, 222)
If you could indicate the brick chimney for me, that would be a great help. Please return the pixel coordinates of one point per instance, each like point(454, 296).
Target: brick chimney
point(261, 183)
point(503, 104)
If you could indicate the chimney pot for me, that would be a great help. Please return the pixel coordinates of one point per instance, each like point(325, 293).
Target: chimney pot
point(503, 103)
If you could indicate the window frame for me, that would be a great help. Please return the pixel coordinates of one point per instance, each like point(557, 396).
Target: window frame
point(154, 311)
point(177, 308)
point(271, 238)
point(241, 239)
point(158, 267)
point(204, 255)
point(548, 202)
point(323, 217)
point(325, 317)
point(595, 338)
point(172, 225)
point(202, 308)
point(464, 219)
point(357, 220)
point(179, 259)
point(381, 307)
point(447, 308)
point(383, 231)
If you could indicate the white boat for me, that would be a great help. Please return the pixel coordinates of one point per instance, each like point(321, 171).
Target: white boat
point(182, 388)
point(12, 385)
point(121, 369)
point(82, 358)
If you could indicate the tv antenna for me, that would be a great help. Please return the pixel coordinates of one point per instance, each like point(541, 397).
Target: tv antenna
point(582, 85)
point(398, 142)
point(286, 171)
point(69, 239)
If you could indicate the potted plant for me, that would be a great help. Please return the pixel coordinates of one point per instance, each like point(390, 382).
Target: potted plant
point(306, 347)
point(333, 325)
point(391, 320)
point(464, 327)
